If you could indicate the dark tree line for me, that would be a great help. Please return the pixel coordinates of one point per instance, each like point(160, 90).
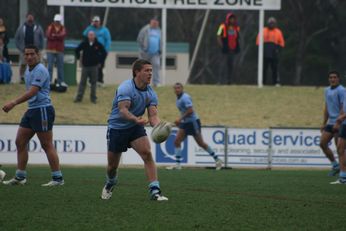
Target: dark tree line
point(314, 31)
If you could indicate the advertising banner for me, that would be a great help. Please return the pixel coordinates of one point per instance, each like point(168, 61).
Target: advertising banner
point(175, 4)
point(87, 145)
point(298, 147)
point(247, 147)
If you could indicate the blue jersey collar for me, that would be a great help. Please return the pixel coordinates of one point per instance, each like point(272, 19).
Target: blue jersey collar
point(139, 89)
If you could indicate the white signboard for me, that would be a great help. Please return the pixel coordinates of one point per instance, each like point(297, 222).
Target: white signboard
point(175, 4)
point(248, 147)
point(87, 145)
point(298, 147)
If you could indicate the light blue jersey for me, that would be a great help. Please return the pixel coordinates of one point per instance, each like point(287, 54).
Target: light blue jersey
point(154, 41)
point(140, 100)
point(183, 103)
point(334, 98)
point(39, 77)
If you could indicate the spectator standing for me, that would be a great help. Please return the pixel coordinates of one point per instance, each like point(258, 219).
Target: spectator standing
point(104, 37)
point(55, 34)
point(150, 44)
point(94, 55)
point(228, 40)
point(29, 33)
point(273, 43)
point(5, 67)
point(5, 40)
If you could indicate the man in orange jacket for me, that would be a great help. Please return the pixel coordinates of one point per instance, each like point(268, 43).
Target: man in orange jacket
point(273, 43)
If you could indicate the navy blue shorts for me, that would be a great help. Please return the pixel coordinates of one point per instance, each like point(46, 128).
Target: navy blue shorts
point(342, 131)
point(39, 119)
point(191, 128)
point(329, 128)
point(119, 140)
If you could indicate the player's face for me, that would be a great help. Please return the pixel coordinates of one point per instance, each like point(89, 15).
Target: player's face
point(333, 80)
point(178, 89)
point(145, 74)
point(31, 57)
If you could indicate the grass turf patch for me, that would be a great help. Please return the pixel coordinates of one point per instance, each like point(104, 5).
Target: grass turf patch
point(237, 106)
point(199, 199)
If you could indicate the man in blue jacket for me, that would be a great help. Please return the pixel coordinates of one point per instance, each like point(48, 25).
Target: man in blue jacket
point(104, 37)
point(150, 44)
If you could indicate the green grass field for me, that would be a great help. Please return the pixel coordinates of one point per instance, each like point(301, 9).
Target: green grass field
point(236, 106)
point(199, 199)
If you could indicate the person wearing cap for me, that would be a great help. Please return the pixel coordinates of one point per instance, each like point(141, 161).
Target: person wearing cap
point(228, 41)
point(56, 34)
point(150, 45)
point(104, 37)
point(29, 33)
point(273, 43)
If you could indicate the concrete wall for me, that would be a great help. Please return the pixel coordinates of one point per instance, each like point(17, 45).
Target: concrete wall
point(115, 74)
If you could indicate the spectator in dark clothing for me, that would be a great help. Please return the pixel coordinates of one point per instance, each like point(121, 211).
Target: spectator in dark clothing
point(29, 33)
point(273, 43)
point(228, 40)
point(94, 55)
point(5, 40)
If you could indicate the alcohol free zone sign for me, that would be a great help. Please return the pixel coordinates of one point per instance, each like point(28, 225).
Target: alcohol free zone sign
point(175, 4)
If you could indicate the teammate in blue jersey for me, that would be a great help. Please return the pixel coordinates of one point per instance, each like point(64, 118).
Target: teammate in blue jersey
point(126, 127)
point(189, 124)
point(38, 119)
point(340, 125)
point(334, 98)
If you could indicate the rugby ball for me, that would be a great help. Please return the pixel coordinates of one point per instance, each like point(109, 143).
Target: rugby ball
point(2, 175)
point(161, 132)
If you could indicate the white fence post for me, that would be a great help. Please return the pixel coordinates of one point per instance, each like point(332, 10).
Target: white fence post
point(226, 147)
point(270, 150)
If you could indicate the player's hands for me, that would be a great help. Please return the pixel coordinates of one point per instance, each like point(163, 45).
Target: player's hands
point(336, 127)
point(141, 121)
point(322, 128)
point(177, 122)
point(8, 106)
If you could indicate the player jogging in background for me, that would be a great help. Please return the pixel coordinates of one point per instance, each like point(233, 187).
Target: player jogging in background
point(38, 119)
point(334, 97)
point(189, 124)
point(126, 127)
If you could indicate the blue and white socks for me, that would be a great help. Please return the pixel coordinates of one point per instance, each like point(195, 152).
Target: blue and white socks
point(342, 175)
point(154, 188)
point(57, 176)
point(111, 181)
point(20, 174)
point(335, 164)
point(211, 153)
point(177, 153)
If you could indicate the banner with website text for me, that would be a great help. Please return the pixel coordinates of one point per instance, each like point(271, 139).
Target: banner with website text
point(175, 4)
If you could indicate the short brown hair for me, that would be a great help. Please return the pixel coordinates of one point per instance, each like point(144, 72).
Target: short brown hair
point(179, 84)
point(138, 65)
point(31, 46)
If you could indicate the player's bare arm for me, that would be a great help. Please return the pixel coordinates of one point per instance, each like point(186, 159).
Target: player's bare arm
point(325, 117)
point(126, 114)
point(23, 98)
point(153, 115)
